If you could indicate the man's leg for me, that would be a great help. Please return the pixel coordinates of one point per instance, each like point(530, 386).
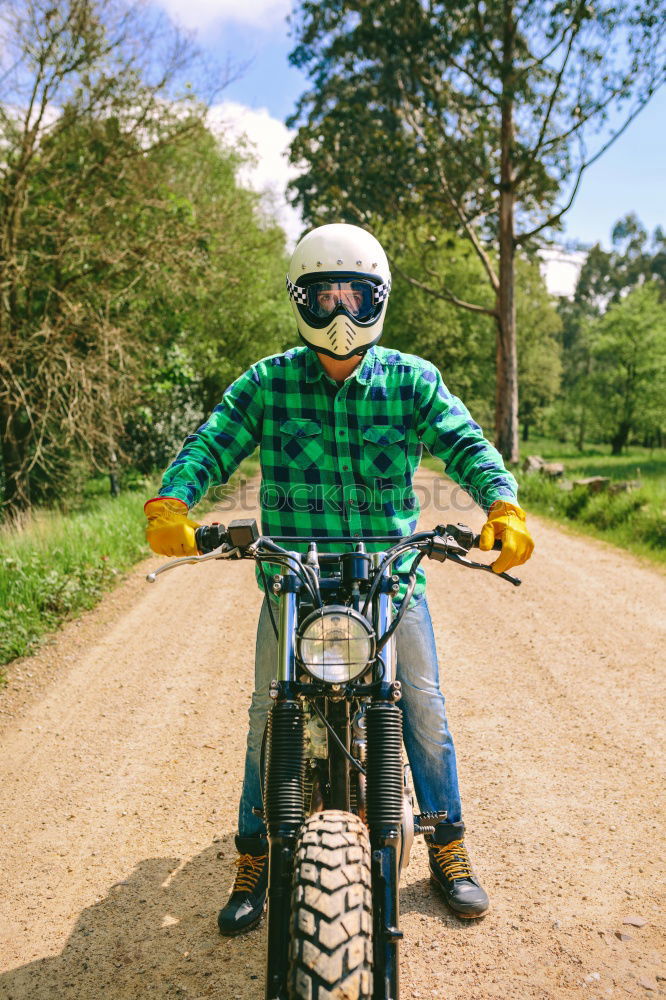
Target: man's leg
point(265, 669)
point(248, 896)
point(432, 758)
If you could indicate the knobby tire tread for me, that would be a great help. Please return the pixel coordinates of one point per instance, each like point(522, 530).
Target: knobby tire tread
point(331, 914)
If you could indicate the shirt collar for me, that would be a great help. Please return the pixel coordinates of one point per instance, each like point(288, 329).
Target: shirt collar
point(313, 369)
point(362, 373)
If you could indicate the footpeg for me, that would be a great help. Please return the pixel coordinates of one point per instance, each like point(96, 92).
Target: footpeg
point(426, 822)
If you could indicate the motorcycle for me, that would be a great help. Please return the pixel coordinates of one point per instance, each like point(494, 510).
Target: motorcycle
point(337, 801)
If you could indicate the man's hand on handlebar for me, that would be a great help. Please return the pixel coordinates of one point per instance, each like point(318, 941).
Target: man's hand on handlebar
point(170, 532)
point(506, 522)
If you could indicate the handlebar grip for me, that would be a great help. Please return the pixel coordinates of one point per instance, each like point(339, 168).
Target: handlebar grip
point(209, 537)
point(497, 546)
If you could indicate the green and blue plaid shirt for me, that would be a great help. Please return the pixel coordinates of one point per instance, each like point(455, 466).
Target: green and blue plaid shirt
point(340, 459)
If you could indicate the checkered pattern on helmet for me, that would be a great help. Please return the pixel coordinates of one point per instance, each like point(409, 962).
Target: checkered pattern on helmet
point(336, 461)
point(299, 295)
point(381, 292)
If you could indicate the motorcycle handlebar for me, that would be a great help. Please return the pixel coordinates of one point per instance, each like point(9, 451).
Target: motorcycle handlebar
point(497, 546)
point(211, 536)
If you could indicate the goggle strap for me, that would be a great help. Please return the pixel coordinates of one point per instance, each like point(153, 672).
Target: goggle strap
point(299, 295)
point(381, 292)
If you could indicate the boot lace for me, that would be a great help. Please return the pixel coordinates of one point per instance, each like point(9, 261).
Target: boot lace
point(250, 867)
point(453, 859)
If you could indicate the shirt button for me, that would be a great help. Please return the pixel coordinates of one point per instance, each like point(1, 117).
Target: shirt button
point(345, 468)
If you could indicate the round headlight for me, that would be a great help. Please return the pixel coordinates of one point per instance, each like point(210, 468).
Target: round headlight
point(335, 644)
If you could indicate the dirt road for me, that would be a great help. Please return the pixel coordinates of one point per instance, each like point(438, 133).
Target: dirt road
point(122, 752)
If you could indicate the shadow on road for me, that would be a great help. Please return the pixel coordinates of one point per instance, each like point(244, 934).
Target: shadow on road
point(424, 897)
point(154, 934)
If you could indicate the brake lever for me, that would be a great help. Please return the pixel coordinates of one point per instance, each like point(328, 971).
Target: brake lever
point(487, 567)
point(222, 552)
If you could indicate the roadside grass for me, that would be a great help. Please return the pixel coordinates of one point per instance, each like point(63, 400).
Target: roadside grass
point(59, 564)
point(635, 520)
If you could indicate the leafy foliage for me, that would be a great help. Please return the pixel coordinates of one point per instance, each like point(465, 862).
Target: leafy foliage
point(628, 377)
point(613, 344)
point(124, 240)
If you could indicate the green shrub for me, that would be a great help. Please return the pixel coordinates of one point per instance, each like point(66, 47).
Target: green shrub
point(604, 510)
point(635, 520)
point(60, 564)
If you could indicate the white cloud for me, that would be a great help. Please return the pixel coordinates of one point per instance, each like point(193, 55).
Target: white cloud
point(204, 13)
point(269, 140)
point(560, 269)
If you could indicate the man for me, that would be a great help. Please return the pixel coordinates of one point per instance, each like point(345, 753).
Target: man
point(341, 424)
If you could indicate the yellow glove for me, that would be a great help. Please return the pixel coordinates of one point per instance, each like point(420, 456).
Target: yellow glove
point(169, 531)
point(507, 522)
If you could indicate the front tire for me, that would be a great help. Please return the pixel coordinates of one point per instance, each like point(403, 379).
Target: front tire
point(331, 913)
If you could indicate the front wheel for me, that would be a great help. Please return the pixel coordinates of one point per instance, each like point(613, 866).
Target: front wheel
point(331, 913)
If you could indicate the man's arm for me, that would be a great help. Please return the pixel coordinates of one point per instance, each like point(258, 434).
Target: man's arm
point(209, 456)
point(449, 432)
point(212, 453)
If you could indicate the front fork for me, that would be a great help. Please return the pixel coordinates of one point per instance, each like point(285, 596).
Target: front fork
point(283, 796)
point(384, 813)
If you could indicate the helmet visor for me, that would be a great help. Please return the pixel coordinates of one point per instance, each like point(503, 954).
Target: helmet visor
point(356, 297)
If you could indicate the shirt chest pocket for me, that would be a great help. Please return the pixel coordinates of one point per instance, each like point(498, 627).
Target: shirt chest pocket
point(384, 452)
point(302, 442)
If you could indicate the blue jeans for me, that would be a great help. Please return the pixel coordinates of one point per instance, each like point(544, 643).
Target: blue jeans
point(426, 734)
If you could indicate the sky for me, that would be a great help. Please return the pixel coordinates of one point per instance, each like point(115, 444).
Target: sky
point(253, 34)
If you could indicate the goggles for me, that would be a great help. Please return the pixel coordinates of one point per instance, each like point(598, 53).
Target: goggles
point(358, 297)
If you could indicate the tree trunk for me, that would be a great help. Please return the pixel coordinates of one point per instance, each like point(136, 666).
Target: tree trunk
point(582, 427)
point(16, 487)
point(114, 481)
point(620, 438)
point(526, 430)
point(506, 392)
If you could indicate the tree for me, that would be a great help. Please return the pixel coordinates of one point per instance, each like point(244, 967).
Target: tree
point(605, 279)
point(89, 88)
point(628, 352)
point(483, 115)
point(460, 343)
point(539, 347)
point(634, 257)
point(127, 248)
point(217, 316)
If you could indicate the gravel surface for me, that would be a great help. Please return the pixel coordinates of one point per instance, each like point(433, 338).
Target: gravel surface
point(122, 751)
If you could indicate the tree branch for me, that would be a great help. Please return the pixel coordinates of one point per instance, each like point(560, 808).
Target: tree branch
point(522, 173)
point(444, 294)
point(475, 80)
point(524, 237)
point(455, 205)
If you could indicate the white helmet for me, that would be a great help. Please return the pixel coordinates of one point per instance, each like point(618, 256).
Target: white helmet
point(338, 283)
